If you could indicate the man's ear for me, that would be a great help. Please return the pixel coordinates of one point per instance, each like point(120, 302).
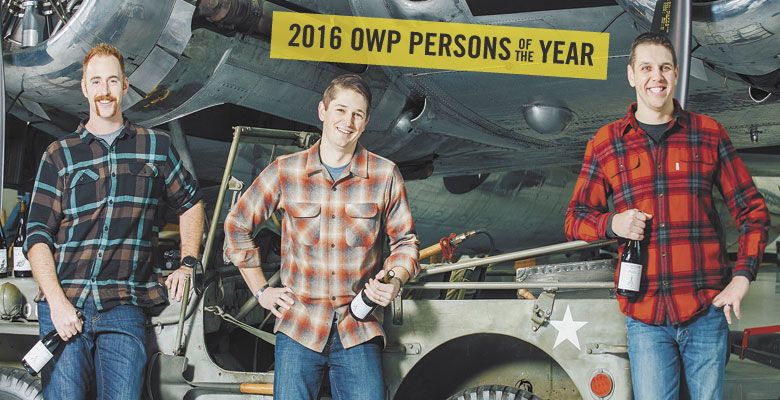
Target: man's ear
point(125, 86)
point(321, 111)
point(630, 75)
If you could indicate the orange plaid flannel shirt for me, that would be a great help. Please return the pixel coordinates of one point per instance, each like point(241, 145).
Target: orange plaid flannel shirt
point(332, 234)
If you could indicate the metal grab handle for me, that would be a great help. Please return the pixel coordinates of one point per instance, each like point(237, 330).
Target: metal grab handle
point(517, 255)
point(178, 349)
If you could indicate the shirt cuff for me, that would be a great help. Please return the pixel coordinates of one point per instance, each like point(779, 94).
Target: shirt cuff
point(609, 232)
point(404, 261)
point(36, 238)
point(243, 258)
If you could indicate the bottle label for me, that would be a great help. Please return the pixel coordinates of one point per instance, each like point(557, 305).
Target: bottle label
point(20, 261)
point(3, 262)
point(38, 356)
point(359, 307)
point(630, 275)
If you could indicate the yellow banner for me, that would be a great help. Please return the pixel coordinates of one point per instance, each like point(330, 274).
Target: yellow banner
point(439, 45)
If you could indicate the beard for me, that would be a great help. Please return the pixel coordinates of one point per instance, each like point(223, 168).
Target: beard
point(106, 97)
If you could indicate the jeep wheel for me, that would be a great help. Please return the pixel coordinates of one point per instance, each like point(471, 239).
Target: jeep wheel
point(494, 392)
point(17, 384)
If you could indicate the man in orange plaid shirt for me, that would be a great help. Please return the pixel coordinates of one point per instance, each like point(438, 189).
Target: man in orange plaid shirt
point(660, 164)
point(339, 202)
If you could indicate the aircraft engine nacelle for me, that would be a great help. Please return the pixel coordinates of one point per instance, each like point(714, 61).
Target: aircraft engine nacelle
point(736, 38)
point(43, 54)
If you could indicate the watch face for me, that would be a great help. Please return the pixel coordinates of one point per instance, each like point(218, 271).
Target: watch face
point(189, 261)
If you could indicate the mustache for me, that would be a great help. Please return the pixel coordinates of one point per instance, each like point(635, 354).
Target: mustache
point(104, 97)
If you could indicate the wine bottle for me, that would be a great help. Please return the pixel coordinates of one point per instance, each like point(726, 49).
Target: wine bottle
point(361, 306)
point(630, 270)
point(22, 267)
point(3, 254)
point(43, 351)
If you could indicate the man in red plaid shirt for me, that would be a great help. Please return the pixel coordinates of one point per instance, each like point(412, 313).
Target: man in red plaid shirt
point(660, 164)
point(340, 202)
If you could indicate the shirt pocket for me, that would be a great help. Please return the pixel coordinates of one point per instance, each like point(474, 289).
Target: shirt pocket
point(691, 169)
point(138, 179)
point(622, 174)
point(304, 219)
point(362, 224)
point(82, 194)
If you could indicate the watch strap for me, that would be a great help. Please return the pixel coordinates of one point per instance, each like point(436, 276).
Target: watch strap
point(260, 291)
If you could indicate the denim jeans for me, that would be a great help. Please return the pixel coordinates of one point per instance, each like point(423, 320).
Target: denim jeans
point(110, 350)
point(656, 352)
point(354, 373)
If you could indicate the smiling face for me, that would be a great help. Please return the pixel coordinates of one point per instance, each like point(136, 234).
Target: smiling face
point(344, 119)
point(104, 84)
point(653, 75)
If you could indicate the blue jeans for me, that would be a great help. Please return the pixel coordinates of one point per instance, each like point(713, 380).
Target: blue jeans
point(656, 351)
point(109, 349)
point(355, 373)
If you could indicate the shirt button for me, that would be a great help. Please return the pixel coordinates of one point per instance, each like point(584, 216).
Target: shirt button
point(100, 255)
point(332, 245)
point(660, 194)
point(333, 297)
point(113, 174)
point(663, 254)
point(105, 228)
point(333, 272)
point(93, 279)
point(659, 166)
point(666, 283)
point(663, 225)
point(110, 201)
point(332, 216)
point(333, 189)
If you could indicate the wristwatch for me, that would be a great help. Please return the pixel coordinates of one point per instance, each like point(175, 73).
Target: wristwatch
point(260, 291)
point(189, 261)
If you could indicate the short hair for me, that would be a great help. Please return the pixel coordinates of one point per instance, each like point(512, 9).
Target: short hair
point(659, 39)
point(348, 81)
point(104, 49)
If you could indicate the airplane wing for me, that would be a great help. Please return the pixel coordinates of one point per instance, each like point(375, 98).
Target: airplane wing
point(206, 67)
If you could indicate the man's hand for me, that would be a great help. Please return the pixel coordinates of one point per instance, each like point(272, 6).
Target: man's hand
point(731, 297)
point(382, 293)
point(630, 224)
point(175, 282)
point(65, 320)
point(271, 298)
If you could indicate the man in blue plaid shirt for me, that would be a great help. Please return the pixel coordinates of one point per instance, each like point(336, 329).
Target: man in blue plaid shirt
point(90, 238)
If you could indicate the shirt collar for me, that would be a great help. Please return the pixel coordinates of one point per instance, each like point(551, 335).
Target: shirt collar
point(358, 166)
point(680, 116)
point(127, 131)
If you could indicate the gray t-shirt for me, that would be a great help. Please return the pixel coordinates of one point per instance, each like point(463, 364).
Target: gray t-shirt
point(110, 137)
point(655, 131)
point(335, 172)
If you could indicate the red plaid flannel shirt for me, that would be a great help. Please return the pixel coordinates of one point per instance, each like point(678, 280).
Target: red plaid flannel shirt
point(686, 262)
point(332, 234)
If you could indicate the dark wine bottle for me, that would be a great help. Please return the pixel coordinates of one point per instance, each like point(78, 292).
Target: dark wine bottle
point(43, 351)
point(22, 267)
point(361, 306)
point(3, 254)
point(630, 270)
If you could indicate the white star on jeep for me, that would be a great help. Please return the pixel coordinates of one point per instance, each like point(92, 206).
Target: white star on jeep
point(567, 329)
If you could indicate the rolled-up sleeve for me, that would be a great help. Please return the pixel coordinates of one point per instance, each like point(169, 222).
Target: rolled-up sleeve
point(45, 213)
point(181, 188)
point(399, 227)
point(254, 207)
